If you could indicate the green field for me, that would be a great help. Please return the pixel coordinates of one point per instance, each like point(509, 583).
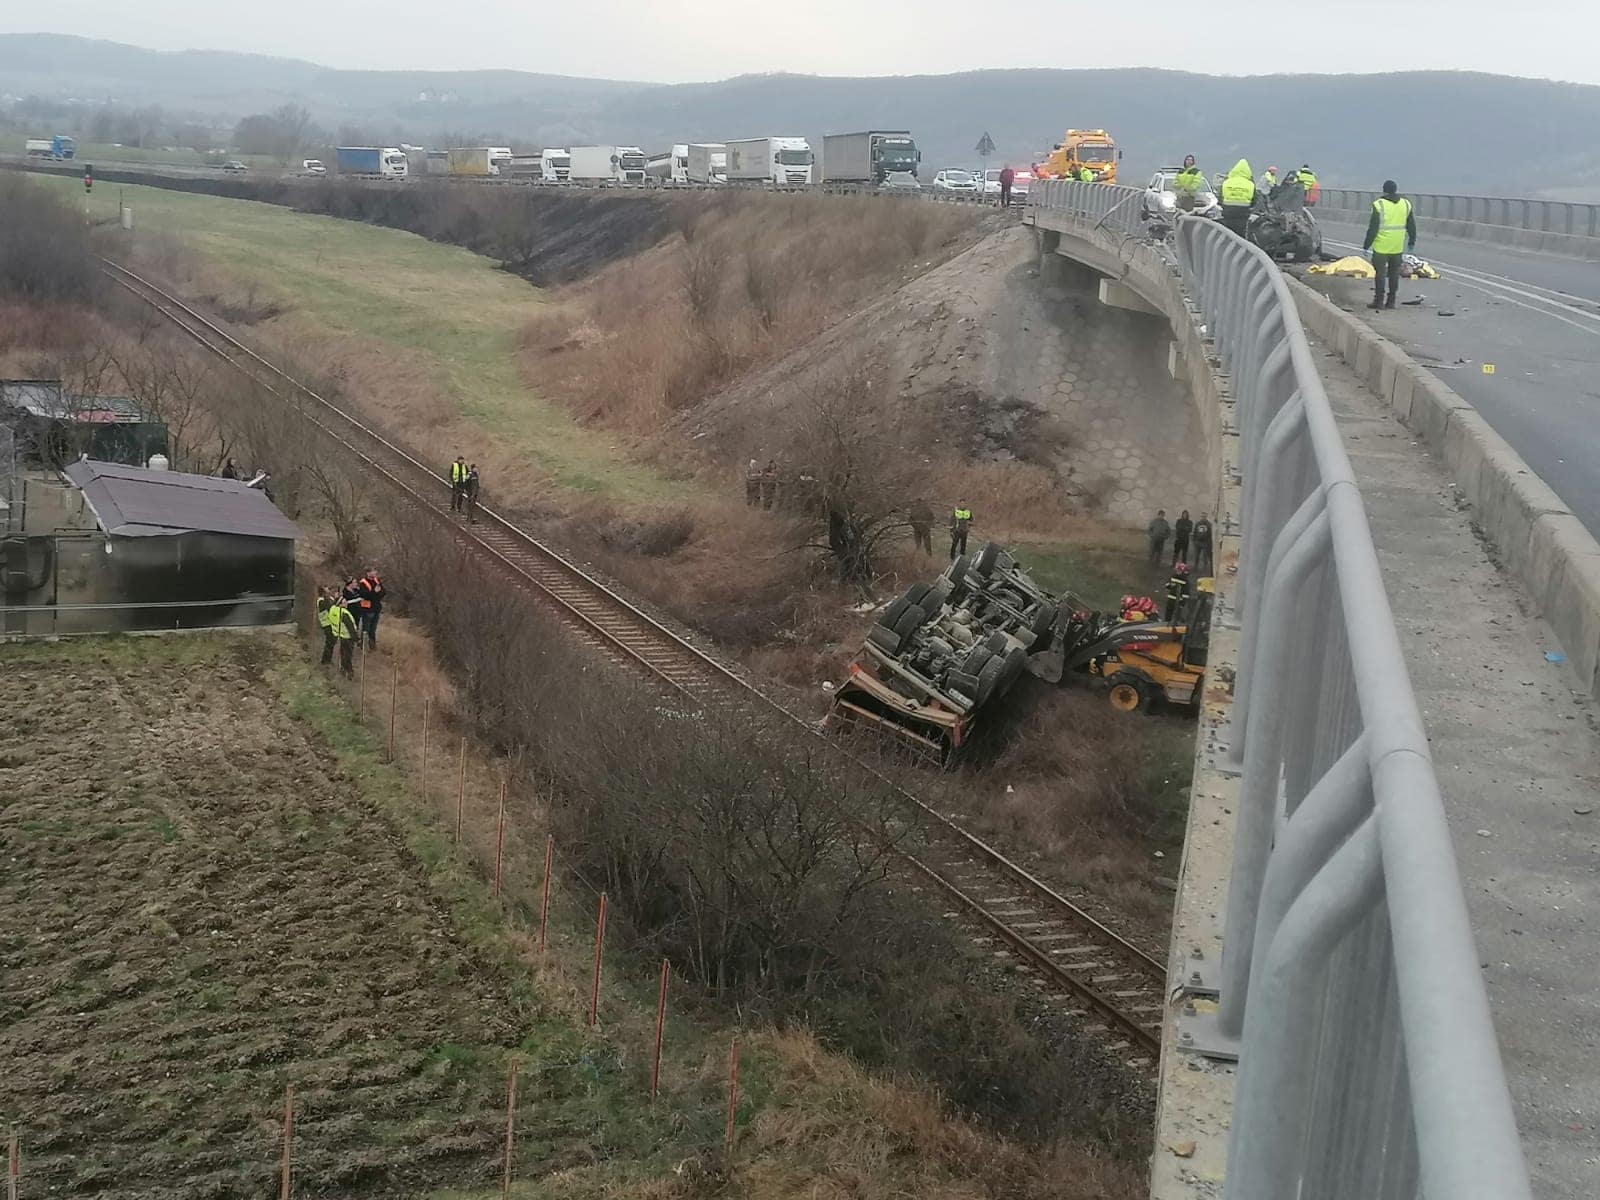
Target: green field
point(452, 308)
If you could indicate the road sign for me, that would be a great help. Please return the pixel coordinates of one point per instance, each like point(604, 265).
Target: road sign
point(985, 145)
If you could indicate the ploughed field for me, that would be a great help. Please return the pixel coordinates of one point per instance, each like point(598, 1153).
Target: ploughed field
point(200, 906)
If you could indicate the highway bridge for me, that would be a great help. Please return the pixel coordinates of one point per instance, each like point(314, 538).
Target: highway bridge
point(1408, 752)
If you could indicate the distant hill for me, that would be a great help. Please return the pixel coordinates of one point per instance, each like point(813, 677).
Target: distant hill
point(1436, 131)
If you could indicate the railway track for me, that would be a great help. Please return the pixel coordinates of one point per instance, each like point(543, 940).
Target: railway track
point(1093, 972)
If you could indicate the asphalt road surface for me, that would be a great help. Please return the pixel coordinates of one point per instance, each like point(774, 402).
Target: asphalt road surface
point(1514, 333)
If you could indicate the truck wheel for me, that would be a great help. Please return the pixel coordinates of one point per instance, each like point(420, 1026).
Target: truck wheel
point(908, 623)
point(1044, 620)
point(957, 572)
point(962, 684)
point(886, 640)
point(1014, 662)
point(986, 557)
point(997, 642)
point(893, 613)
point(916, 593)
point(989, 678)
point(1129, 693)
point(976, 657)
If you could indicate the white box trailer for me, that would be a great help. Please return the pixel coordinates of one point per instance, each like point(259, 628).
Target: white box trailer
point(778, 161)
point(707, 162)
point(608, 164)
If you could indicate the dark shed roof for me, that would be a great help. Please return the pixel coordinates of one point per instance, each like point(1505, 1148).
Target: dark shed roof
point(137, 502)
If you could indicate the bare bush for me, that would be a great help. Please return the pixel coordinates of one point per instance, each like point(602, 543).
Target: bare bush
point(177, 387)
point(47, 254)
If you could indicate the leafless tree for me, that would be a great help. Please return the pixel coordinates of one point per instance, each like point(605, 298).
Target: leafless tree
point(184, 391)
point(850, 484)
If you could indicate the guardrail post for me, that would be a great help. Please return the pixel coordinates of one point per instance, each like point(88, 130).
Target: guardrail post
point(1270, 1099)
point(1269, 704)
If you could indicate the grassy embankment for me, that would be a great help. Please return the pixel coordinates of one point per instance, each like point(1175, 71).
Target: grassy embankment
point(418, 317)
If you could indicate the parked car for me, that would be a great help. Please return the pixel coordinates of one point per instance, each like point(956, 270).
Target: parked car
point(234, 166)
point(313, 166)
point(900, 181)
point(1019, 183)
point(1161, 199)
point(952, 180)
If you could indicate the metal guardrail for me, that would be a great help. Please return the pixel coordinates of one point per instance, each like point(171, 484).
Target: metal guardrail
point(1538, 216)
point(1368, 1065)
point(1110, 205)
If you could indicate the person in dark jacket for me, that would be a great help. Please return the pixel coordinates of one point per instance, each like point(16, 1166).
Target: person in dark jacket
point(1177, 592)
point(1201, 537)
point(1159, 530)
point(230, 470)
point(371, 592)
point(920, 518)
point(1008, 177)
point(1180, 536)
point(470, 490)
point(1391, 233)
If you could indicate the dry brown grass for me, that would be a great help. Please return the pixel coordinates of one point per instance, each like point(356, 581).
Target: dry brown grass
point(745, 280)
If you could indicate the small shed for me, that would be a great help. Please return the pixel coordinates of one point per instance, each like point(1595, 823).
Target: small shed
point(55, 426)
point(150, 550)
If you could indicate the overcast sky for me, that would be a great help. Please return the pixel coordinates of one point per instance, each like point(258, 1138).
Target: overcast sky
point(680, 40)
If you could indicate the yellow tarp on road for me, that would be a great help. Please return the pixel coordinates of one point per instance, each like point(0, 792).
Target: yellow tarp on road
point(1352, 265)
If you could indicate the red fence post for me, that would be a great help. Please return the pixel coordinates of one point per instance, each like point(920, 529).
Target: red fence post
point(361, 686)
point(394, 697)
point(13, 1164)
point(599, 940)
point(733, 1095)
point(461, 788)
point(427, 709)
point(499, 837)
point(544, 905)
point(284, 1187)
point(511, 1126)
point(661, 1018)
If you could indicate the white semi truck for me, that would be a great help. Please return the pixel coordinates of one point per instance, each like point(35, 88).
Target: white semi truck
point(555, 165)
point(780, 162)
point(707, 162)
point(608, 164)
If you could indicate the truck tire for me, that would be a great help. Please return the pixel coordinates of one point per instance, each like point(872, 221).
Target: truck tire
point(1014, 662)
point(957, 574)
point(976, 657)
point(989, 678)
point(986, 558)
point(889, 616)
point(1044, 620)
point(997, 642)
point(909, 622)
point(962, 684)
point(1129, 693)
point(916, 593)
point(886, 640)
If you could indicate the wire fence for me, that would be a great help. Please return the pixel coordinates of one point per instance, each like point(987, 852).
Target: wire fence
point(1350, 991)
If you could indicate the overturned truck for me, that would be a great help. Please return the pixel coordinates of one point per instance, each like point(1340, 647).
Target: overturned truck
point(943, 651)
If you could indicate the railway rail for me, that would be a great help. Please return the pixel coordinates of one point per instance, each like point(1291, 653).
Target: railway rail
point(1095, 973)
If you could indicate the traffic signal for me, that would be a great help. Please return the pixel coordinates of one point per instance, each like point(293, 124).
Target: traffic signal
point(88, 178)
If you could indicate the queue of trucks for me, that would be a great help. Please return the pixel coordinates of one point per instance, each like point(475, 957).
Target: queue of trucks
point(867, 158)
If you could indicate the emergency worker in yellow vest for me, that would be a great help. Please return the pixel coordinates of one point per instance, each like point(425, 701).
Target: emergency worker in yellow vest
point(1391, 232)
point(960, 522)
point(1238, 197)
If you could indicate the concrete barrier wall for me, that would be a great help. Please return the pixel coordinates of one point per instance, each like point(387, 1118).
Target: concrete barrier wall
point(1538, 538)
point(1567, 245)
